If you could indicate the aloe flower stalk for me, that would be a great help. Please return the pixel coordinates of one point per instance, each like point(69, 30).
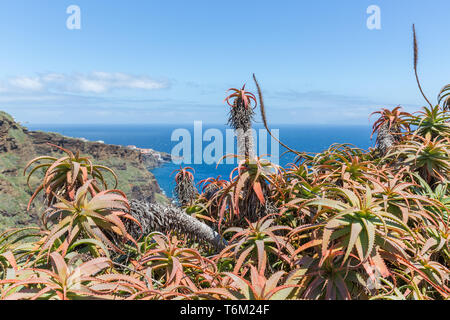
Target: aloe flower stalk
point(185, 190)
point(385, 139)
point(240, 119)
point(416, 58)
point(165, 218)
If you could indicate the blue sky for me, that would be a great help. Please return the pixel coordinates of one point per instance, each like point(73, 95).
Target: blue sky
point(172, 61)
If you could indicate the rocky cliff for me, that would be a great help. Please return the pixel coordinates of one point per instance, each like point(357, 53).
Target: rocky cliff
point(19, 145)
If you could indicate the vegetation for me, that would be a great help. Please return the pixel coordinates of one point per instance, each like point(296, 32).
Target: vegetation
point(19, 145)
point(342, 224)
point(66, 175)
point(185, 190)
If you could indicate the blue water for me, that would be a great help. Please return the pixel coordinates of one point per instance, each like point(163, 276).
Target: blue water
point(311, 138)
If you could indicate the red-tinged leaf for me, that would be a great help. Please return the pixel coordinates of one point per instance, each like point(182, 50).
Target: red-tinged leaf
point(431, 242)
point(222, 213)
point(10, 258)
point(307, 245)
point(378, 262)
point(62, 149)
point(356, 229)
point(262, 258)
point(59, 266)
point(177, 271)
point(34, 170)
point(272, 282)
point(53, 236)
point(95, 231)
point(217, 291)
point(81, 192)
point(239, 186)
point(75, 170)
point(242, 284)
point(84, 174)
point(241, 259)
point(257, 281)
point(36, 160)
point(34, 196)
point(258, 191)
point(329, 229)
point(54, 165)
point(94, 266)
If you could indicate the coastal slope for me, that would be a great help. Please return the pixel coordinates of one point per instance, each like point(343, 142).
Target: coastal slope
point(18, 145)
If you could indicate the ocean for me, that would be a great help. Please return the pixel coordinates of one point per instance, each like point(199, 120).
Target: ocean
point(309, 138)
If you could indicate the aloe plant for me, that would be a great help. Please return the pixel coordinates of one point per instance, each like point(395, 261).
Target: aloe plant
point(99, 217)
point(62, 282)
point(65, 175)
point(388, 128)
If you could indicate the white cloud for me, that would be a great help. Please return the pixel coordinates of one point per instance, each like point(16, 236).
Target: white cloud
point(86, 85)
point(95, 83)
point(26, 83)
point(53, 77)
point(100, 82)
point(28, 98)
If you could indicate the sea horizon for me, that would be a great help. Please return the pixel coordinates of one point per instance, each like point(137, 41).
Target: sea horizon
point(306, 138)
